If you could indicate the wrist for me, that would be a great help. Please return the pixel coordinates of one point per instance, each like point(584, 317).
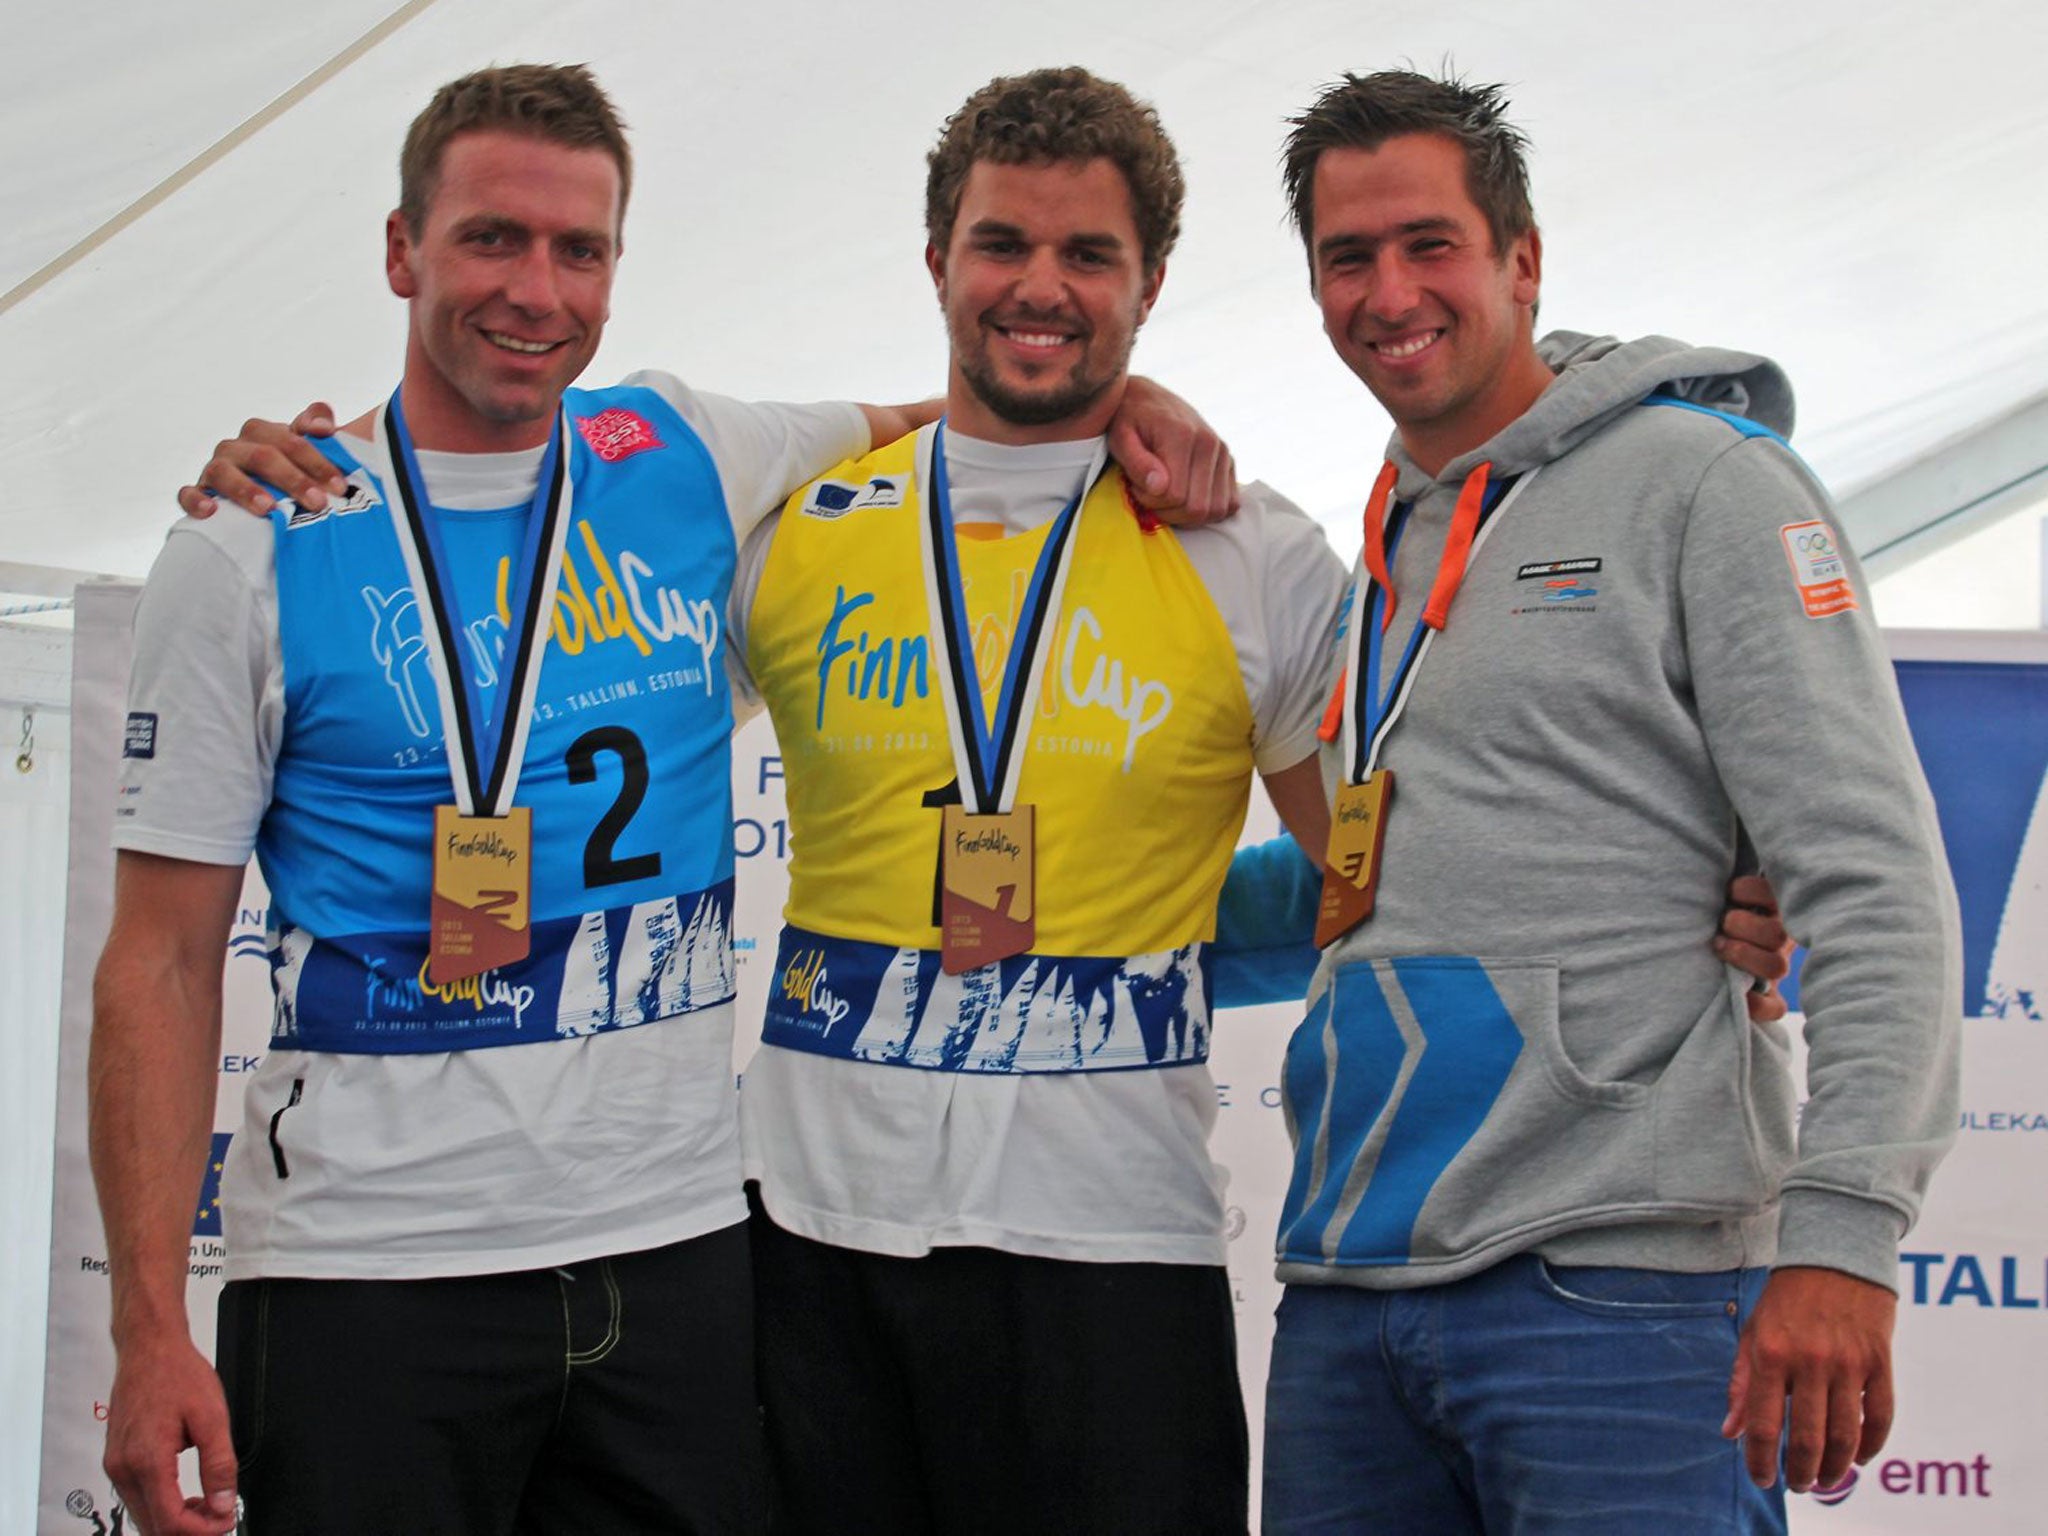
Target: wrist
point(147, 1320)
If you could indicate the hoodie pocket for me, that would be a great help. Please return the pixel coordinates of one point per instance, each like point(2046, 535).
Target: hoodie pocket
point(1407, 1067)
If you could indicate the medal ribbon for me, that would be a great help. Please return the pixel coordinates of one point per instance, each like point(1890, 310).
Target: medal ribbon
point(1369, 709)
point(988, 753)
point(484, 745)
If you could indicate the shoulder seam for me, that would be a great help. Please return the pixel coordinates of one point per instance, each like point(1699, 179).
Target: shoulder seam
point(1741, 424)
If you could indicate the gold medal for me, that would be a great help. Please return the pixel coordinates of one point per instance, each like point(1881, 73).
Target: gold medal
point(986, 876)
point(483, 883)
point(1351, 872)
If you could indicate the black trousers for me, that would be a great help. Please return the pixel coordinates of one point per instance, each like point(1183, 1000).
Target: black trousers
point(613, 1396)
point(971, 1392)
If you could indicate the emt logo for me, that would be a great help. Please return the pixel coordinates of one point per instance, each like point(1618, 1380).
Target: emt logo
point(1934, 1478)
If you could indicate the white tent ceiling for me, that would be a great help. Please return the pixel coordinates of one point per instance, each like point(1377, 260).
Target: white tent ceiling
point(1855, 188)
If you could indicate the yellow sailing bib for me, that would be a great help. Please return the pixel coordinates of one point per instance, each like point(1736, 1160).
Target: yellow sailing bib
point(1138, 759)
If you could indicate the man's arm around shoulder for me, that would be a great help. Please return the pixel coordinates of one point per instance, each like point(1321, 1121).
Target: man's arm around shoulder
point(152, 1076)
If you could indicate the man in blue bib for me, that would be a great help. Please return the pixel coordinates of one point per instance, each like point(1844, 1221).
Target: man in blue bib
point(487, 1262)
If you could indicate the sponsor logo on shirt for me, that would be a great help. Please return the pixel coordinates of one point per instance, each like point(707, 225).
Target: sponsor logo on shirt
point(804, 983)
point(140, 737)
point(835, 498)
point(1817, 569)
point(1560, 594)
point(356, 496)
point(1585, 565)
point(1084, 675)
point(618, 434)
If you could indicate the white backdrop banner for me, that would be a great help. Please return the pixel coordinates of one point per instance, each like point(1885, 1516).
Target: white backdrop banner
point(1973, 1316)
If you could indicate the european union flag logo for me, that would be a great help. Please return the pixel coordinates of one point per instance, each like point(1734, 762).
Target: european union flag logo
point(207, 1222)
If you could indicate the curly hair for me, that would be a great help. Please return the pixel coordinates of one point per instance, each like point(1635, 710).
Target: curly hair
point(1365, 111)
point(559, 103)
point(1054, 115)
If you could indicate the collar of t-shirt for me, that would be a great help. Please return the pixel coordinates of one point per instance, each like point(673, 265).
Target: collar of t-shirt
point(1014, 488)
point(469, 482)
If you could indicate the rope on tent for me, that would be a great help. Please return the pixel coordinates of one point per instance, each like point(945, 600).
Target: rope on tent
point(216, 151)
point(53, 605)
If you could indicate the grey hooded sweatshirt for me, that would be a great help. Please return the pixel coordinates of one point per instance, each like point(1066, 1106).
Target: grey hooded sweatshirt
point(1661, 645)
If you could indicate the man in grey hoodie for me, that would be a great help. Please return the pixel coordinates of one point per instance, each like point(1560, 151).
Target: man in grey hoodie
point(1550, 1235)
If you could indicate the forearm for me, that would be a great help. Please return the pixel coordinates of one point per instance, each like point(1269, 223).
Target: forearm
point(151, 1077)
point(1264, 920)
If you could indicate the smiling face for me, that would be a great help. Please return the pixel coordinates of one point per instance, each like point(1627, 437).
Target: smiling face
point(1416, 300)
point(509, 279)
point(1043, 287)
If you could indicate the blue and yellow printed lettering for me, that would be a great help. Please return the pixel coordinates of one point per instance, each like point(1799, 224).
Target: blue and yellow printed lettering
point(346, 843)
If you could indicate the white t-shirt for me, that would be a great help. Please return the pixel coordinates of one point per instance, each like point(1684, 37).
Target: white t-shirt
point(450, 1163)
point(1095, 1166)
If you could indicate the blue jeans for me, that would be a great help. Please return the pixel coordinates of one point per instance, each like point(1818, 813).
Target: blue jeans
point(1528, 1399)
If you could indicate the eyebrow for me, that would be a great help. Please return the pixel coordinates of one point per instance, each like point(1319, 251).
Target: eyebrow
point(999, 228)
point(506, 223)
point(1342, 242)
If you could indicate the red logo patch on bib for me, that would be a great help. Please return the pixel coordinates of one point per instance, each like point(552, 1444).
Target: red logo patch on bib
point(617, 434)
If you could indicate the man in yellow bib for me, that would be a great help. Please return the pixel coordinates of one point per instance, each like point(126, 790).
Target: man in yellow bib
point(1018, 722)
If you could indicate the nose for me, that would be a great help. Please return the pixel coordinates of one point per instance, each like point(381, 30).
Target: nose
point(530, 285)
point(1395, 292)
point(1041, 285)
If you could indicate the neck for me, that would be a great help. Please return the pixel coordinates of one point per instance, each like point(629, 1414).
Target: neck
point(968, 415)
point(1433, 444)
point(440, 420)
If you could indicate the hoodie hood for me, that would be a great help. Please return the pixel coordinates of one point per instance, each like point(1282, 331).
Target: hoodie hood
point(1599, 377)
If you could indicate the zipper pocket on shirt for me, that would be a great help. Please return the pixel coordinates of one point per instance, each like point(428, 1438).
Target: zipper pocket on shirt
point(277, 1147)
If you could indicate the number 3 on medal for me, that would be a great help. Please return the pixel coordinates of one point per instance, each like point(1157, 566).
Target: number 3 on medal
point(599, 865)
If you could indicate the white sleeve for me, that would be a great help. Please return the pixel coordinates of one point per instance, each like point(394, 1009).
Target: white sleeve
point(746, 581)
point(1299, 599)
point(205, 696)
point(763, 451)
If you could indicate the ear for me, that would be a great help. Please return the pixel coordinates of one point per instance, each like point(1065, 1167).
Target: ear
point(1149, 295)
point(1527, 259)
point(398, 247)
point(935, 263)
